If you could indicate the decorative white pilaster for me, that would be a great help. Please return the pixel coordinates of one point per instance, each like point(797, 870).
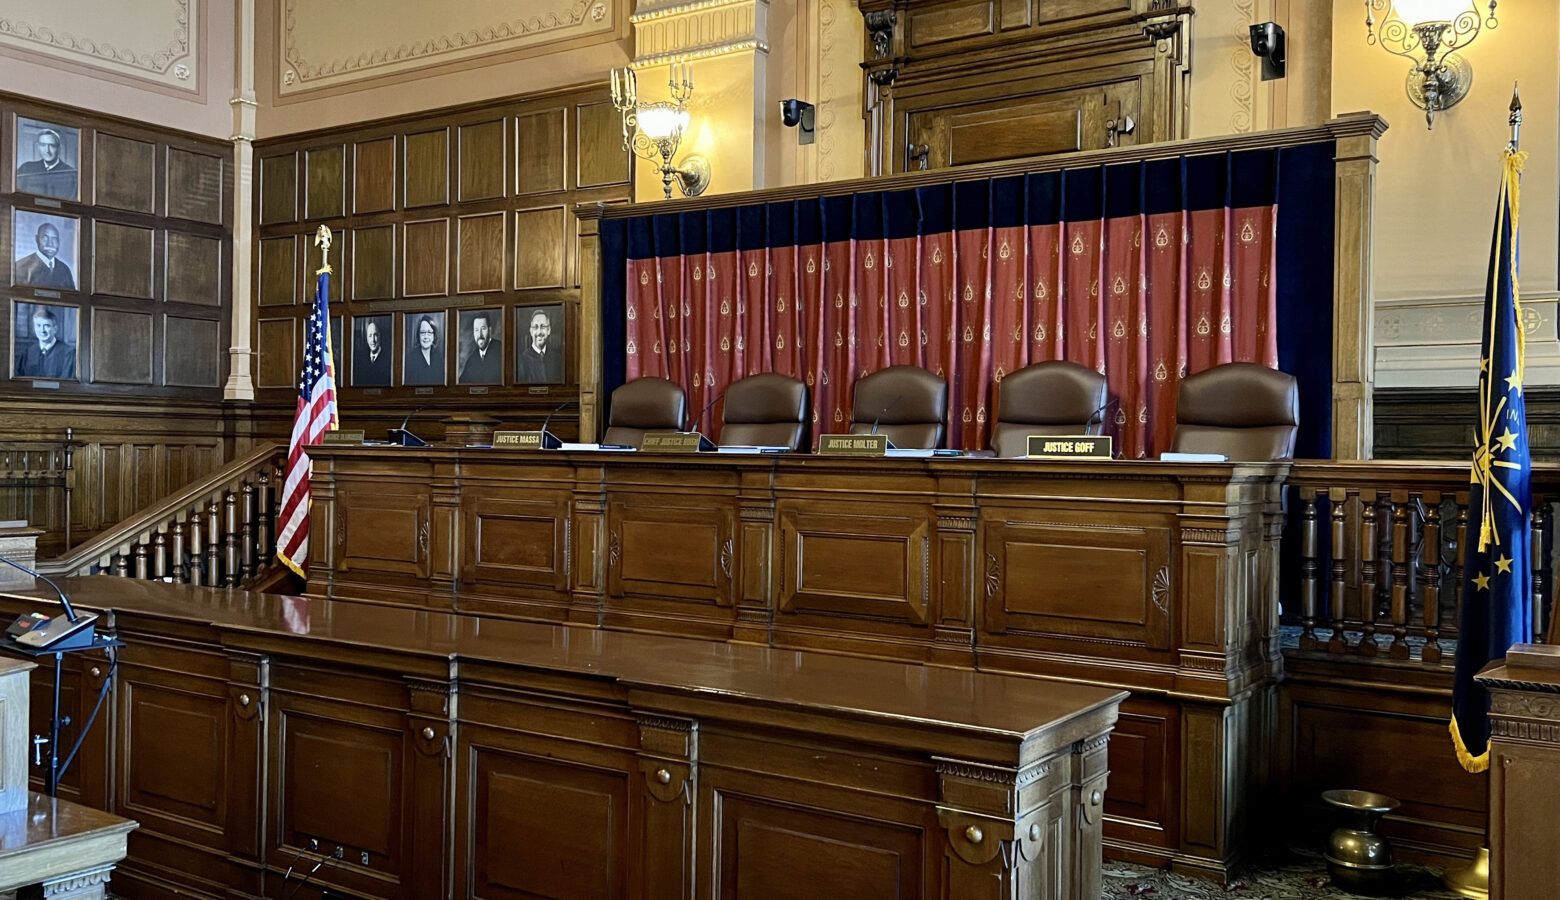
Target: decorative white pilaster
point(241, 353)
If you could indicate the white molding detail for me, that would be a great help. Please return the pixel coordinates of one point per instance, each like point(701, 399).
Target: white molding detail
point(158, 43)
point(699, 29)
point(1436, 343)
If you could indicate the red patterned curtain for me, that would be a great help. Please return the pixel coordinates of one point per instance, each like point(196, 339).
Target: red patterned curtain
point(1144, 271)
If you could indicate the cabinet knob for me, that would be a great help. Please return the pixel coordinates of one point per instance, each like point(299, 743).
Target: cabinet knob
point(974, 835)
point(663, 776)
point(1034, 831)
point(427, 733)
point(95, 672)
point(243, 700)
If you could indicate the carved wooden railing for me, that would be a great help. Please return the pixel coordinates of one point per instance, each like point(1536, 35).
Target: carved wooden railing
point(219, 531)
point(1378, 554)
point(32, 471)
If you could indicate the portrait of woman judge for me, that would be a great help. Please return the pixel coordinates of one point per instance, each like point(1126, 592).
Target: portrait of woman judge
point(45, 250)
point(46, 159)
point(44, 344)
point(423, 362)
point(539, 335)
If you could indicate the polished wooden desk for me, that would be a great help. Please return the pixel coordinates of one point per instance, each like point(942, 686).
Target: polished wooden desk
point(67, 849)
point(1156, 577)
point(460, 756)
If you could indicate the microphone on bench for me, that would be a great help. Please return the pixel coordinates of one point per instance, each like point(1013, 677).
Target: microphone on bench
point(405, 438)
point(1099, 414)
point(886, 407)
point(549, 440)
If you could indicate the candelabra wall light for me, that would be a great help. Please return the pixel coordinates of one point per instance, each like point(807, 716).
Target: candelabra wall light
point(1427, 32)
point(653, 131)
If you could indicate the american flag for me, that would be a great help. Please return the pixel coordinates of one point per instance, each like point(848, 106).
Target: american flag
point(316, 414)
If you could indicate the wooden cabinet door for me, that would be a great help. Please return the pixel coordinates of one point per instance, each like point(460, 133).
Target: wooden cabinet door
point(950, 131)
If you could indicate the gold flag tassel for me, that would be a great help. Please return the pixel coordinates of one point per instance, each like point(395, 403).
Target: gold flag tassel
point(1511, 181)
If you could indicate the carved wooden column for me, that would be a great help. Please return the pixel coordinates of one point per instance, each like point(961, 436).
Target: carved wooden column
point(588, 345)
point(589, 547)
point(1524, 771)
point(430, 724)
point(758, 550)
point(443, 530)
point(953, 631)
point(248, 686)
point(1353, 351)
point(668, 766)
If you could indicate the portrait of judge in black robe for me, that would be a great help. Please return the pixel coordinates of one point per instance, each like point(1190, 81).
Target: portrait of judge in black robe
point(540, 335)
point(52, 241)
point(45, 344)
point(371, 351)
point(481, 352)
point(46, 159)
point(424, 359)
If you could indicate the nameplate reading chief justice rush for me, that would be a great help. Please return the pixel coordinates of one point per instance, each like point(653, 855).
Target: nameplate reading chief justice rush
point(1069, 446)
point(675, 442)
point(854, 444)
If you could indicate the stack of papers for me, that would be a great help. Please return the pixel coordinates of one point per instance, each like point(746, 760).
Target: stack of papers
point(1193, 457)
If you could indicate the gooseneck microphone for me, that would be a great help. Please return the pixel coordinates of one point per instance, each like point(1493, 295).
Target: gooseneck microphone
point(693, 422)
point(67, 632)
point(1099, 413)
point(70, 612)
point(406, 438)
point(886, 407)
point(556, 410)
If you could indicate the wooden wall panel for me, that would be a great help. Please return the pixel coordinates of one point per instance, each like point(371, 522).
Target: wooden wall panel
point(480, 266)
point(278, 189)
point(121, 347)
point(278, 271)
point(602, 159)
point(326, 184)
point(278, 351)
point(764, 846)
point(427, 258)
point(195, 357)
point(539, 152)
point(193, 270)
point(428, 168)
point(126, 172)
point(313, 257)
point(122, 260)
point(541, 247)
point(195, 186)
point(482, 161)
point(373, 175)
point(373, 263)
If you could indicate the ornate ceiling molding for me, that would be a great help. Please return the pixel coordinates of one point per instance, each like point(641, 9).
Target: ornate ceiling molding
point(665, 30)
point(148, 41)
point(322, 45)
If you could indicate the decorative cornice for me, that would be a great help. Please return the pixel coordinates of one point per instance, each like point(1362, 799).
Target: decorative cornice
point(698, 30)
point(172, 63)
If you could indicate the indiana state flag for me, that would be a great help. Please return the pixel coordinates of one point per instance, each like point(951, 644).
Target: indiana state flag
point(1497, 579)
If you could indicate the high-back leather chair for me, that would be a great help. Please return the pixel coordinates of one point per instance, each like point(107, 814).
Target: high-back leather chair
point(644, 405)
point(907, 403)
point(765, 410)
point(1242, 410)
point(1053, 397)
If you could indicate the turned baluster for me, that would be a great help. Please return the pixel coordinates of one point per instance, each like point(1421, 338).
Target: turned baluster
point(142, 570)
point(263, 503)
point(178, 554)
point(195, 548)
point(122, 565)
point(1402, 590)
point(159, 555)
point(1340, 568)
point(1430, 561)
point(230, 538)
point(1370, 544)
point(1310, 588)
point(1539, 551)
point(213, 544)
point(1454, 627)
point(246, 540)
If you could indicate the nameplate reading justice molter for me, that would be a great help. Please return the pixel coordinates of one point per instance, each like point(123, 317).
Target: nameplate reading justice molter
point(524, 440)
point(675, 442)
point(1069, 446)
point(342, 436)
point(853, 444)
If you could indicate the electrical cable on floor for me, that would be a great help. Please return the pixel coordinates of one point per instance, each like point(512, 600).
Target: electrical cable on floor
point(338, 854)
point(81, 736)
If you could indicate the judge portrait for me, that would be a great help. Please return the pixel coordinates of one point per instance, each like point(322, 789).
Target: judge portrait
point(51, 168)
point(540, 360)
point(424, 359)
point(53, 242)
point(371, 351)
point(481, 352)
point(45, 341)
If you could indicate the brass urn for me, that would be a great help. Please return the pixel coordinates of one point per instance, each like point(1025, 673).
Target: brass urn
point(1359, 859)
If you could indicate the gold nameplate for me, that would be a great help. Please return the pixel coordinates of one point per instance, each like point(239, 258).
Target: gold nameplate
point(525, 440)
point(853, 444)
point(675, 442)
point(1069, 446)
point(342, 436)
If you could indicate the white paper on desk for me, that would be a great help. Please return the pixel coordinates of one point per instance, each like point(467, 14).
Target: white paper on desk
point(751, 448)
point(605, 448)
point(909, 451)
point(1193, 457)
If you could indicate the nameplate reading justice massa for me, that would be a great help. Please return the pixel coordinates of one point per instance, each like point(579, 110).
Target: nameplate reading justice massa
point(1069, 446)
point(854, 444)
point(525, 440)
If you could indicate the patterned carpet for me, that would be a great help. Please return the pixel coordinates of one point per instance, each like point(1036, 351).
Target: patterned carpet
point(1294, 875)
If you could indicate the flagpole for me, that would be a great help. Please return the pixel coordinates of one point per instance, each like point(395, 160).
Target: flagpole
point(1515, 120)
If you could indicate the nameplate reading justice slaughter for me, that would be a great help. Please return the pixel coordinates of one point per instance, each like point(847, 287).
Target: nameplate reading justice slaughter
point(675, 442)
point(1069, 446)
point(853, 444)
point(342, 436)
point(523, 440)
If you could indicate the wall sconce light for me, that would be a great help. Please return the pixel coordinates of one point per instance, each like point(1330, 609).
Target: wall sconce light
point(654, 130)
point(1427, 32)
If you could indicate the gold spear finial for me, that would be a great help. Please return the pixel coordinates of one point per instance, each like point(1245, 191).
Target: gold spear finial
point(322, 241)
point(1516, 117)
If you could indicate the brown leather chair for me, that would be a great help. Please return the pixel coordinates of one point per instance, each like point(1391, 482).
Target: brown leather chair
point(1053, 397)
point(644, 405)
point(1242, 410)
point(765, 410)
point(907, 403)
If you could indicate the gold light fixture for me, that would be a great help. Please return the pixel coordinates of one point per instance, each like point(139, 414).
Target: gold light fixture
point(654, 130)
point(1427, 32)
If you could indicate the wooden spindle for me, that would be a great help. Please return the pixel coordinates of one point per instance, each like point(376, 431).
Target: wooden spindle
point(142, 570)
point(177, 552)
point(266, 540)
point(122, 565)
point(230, 538)
point(1539, 553)
point(1401, 590)
point(1430, 561)
point(1370, 543)
point(1310, 588)
point(246, 539)
point(1455, 625)
point(159, 555)
point(1340, 572)
point(196, 562)
point(213, 544)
